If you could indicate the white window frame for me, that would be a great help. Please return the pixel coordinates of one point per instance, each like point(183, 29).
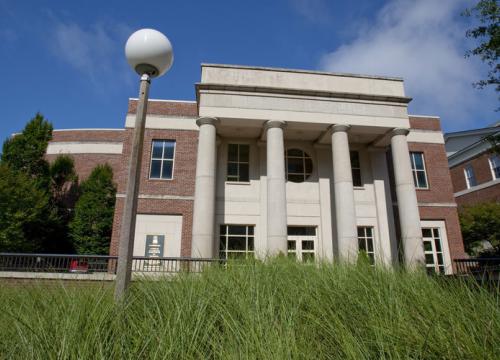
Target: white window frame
point(414, 170)
point(237, 162)
point(162, 159)
point(365, 238)
point(304, 156)
point(298, 239)
point(224, 237)
point(445, 249)
point(492, 166)
point(467, 177)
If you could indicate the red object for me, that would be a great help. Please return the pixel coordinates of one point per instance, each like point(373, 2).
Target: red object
point(78, 267)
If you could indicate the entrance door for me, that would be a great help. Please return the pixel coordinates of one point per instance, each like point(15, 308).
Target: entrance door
point(302, 243)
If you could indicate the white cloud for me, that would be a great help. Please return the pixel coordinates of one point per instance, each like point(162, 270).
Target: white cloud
point(424, 42)
point(96, 51)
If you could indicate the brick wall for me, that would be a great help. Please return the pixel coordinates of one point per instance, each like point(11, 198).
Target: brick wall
point(481, 167)
point(84, 163)
point(165, 107)
point(425, 123)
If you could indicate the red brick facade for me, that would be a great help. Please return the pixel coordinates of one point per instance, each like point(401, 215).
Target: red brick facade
point(482, 171)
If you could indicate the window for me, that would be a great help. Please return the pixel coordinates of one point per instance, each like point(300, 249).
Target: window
point(236, 242)
point(365, 242)
point(356, 169)
point(433, 250)
point(162, 159)
point(470, 177)
point(298, 165)
point(301, 240)
point(495, 166)
point(238, 162)
point(418, 169)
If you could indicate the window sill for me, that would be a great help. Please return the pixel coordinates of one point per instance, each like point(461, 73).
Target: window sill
point(424, 189)
point(359, 187)
point(237, 182)
point(155, 179)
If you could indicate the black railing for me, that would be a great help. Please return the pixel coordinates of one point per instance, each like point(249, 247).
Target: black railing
point(479, 267)
point(59, 263)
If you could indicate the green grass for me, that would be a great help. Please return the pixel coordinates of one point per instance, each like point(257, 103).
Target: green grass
point(278, 310)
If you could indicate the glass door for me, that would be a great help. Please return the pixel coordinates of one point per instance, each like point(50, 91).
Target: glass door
point(302, 243)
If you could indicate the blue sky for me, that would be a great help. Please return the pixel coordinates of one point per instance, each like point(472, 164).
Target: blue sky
point(65, 58)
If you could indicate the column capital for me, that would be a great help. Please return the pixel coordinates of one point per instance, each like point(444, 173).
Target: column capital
point(207, 120)
point(274, 124)
point(340, 127)
point(399, 131)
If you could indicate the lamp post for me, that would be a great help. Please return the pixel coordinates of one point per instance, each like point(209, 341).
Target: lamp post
point(150, 54)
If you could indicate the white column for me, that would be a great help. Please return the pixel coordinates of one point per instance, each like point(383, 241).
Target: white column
point(276, 190)
point(202, 245)
point(409, 218)
point(345, 214)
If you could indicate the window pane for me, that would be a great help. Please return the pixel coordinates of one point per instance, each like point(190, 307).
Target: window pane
point(155, 169)
point(440, 259)
point(222, 243)
point(169, 150)
point(295, 152)
point(167, 169)
point(244, 172)
point(250, 243)
point(250, 230)
point(370, 245)
point(244, 152)
point(435, 231)
point(362, 245)
point(309, 165)
point(418, 158)
point(222, 229)
point(369, 231)
point(236, 243)
point(307, 245)
point(421, 179)
point(232, 169)
point(295, 166)
point(429, 259)
point(356, 177)
point(237, 230)
point(426, 232)
point(361, 231)
point(157, 149)
point(222, 255)
point(427, 246)
point(232, 152)
point(354, 159)
point(291, 245)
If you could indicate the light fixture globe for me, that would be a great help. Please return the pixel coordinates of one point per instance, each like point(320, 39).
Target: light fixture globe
point(150, 52)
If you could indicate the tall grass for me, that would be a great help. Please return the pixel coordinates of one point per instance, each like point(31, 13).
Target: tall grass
point(277, 310)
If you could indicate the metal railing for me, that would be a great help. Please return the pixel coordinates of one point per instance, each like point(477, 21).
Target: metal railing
point(62, 263)
point(479, 267)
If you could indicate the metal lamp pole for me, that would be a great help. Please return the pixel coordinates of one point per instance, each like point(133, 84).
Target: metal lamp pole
point(149, 52)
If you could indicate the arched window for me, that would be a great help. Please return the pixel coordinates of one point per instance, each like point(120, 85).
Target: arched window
point(298, 165)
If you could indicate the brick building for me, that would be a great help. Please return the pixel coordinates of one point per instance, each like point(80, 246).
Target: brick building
point(316, 165)
point(474, 168)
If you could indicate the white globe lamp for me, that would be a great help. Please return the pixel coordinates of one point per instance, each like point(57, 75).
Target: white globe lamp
point(149, 52)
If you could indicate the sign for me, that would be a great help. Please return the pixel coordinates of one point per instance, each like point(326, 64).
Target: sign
point(154, 246)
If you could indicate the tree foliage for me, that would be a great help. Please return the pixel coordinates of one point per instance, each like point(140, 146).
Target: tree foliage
point(25, 152)
point(481, 223)
point(92, 224)
point(488, 34)
point(24, 212)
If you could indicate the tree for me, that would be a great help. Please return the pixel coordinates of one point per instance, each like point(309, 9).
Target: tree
point(92, 224)
point(25, 152)
point(24, 207)
point(480, 224)
point(64, 193)
point(488, 34)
